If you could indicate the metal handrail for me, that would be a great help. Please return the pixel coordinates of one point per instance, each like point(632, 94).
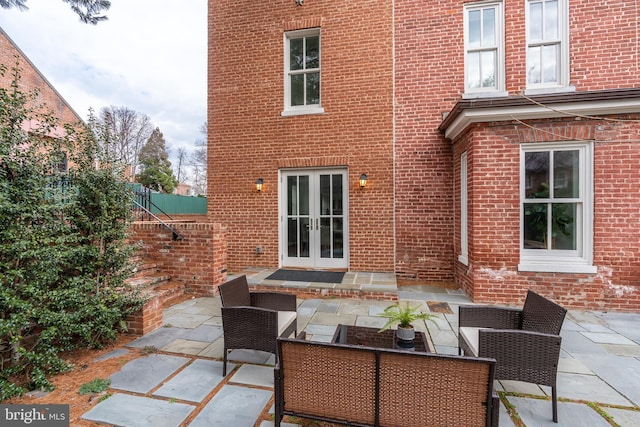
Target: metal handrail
point(174, 234)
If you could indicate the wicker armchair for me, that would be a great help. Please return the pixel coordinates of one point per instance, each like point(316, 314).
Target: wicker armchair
point(254, 320)
point(525, 342)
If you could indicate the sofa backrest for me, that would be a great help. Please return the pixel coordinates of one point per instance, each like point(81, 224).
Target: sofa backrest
point(328, 381)
point(435, 390)
point(374, 386)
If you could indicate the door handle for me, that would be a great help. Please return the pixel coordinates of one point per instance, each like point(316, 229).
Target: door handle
point(317, 223)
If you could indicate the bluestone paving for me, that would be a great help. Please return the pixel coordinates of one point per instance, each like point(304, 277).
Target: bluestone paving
point(599, 363)
point(143, 374)
point(194, 382)
point(136, 411)
point(233, 406)
point(537, 412)
point(254, 375)
point(624, 417)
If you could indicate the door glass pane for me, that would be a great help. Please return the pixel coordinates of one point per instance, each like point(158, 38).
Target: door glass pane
point(304, 195)
point(337, 194)
point(325, 194)
point(295, 54)
point(292, 237)
point(535, 226)
point(338, 236)
point(304, 237)
point(297, 89)
point(292, 195)
point(536, 175)
point(325, 237)
point(566, 174)
point(563, 226)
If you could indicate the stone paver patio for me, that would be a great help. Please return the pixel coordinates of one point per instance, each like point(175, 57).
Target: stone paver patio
point(599, 365)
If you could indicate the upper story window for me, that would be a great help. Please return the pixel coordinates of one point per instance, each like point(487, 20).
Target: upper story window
point(547, 44)
point(557, 207)
point(484, 49)
point(302, 72)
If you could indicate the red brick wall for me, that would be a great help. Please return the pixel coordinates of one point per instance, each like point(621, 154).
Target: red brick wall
point(32, 80)
point(494, 224)
point(603, 55)
point(249, 139)
point(198, 260)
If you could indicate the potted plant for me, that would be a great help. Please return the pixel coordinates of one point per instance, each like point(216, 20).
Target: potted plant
point(403, 316)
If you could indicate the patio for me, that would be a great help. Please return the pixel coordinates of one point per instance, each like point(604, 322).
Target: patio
point(182, 383)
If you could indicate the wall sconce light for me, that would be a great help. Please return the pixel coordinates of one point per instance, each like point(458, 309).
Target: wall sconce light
point(299, 2)
point(363, 180)
point(259, 183)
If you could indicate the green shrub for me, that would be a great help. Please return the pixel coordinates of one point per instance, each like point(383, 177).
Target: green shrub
point(64, 259)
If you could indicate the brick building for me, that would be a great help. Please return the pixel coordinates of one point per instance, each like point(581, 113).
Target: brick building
point(500, 141)
point(32, 80)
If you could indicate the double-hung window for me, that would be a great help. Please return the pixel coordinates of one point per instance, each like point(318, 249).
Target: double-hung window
point(556, 208)
point(302, 72)
point(484, 49)
point(547, 44)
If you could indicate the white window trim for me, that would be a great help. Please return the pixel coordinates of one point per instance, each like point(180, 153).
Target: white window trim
point(464, 212)
point(290, 110)
point(563, 84)
point(499, 90)
point(557, 261)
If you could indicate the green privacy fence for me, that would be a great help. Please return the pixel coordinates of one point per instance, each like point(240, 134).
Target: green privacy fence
point(174, 204)
point(168, 204)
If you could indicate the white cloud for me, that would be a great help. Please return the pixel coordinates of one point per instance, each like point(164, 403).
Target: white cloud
point(150, 56)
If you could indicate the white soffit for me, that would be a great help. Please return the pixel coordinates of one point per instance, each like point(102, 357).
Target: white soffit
point(535, 111)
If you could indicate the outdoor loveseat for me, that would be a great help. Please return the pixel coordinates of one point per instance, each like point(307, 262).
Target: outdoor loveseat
point(524, 342)
point(254, 320)
point(369, 386)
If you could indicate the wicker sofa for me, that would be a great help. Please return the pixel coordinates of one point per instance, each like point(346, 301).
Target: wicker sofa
point(367, 386)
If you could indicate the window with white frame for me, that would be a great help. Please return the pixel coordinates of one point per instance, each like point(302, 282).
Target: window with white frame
point(484, 48)
point(547, 44)
point(302, 72)
point(464, 212)
point(556, 207)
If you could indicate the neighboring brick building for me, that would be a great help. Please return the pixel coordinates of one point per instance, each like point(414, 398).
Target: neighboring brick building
point(32, 80)
point(501, 141)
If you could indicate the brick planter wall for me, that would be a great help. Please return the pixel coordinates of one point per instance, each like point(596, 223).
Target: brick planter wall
point(197, 262)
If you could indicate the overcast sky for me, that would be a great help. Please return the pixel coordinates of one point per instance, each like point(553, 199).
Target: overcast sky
point(149, 56)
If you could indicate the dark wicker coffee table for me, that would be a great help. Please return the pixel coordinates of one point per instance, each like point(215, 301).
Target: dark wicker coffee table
point(370, 337)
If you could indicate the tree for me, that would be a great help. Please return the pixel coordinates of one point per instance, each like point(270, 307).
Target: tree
point(182, 165)
point(64, 255)
point(198, 163)
point(156, 167)
point(88, 10)
point(125, 131)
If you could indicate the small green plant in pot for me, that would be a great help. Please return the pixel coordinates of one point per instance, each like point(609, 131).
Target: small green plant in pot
point(404, 316)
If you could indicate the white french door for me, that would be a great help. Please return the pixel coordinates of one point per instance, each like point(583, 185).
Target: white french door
point(313, 218)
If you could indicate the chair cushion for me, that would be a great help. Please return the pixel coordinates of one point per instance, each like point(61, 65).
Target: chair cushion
point(285, 318)
point(471, 337)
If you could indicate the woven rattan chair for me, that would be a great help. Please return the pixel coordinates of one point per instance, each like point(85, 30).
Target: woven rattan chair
point(254, 320)
point(525, 342)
